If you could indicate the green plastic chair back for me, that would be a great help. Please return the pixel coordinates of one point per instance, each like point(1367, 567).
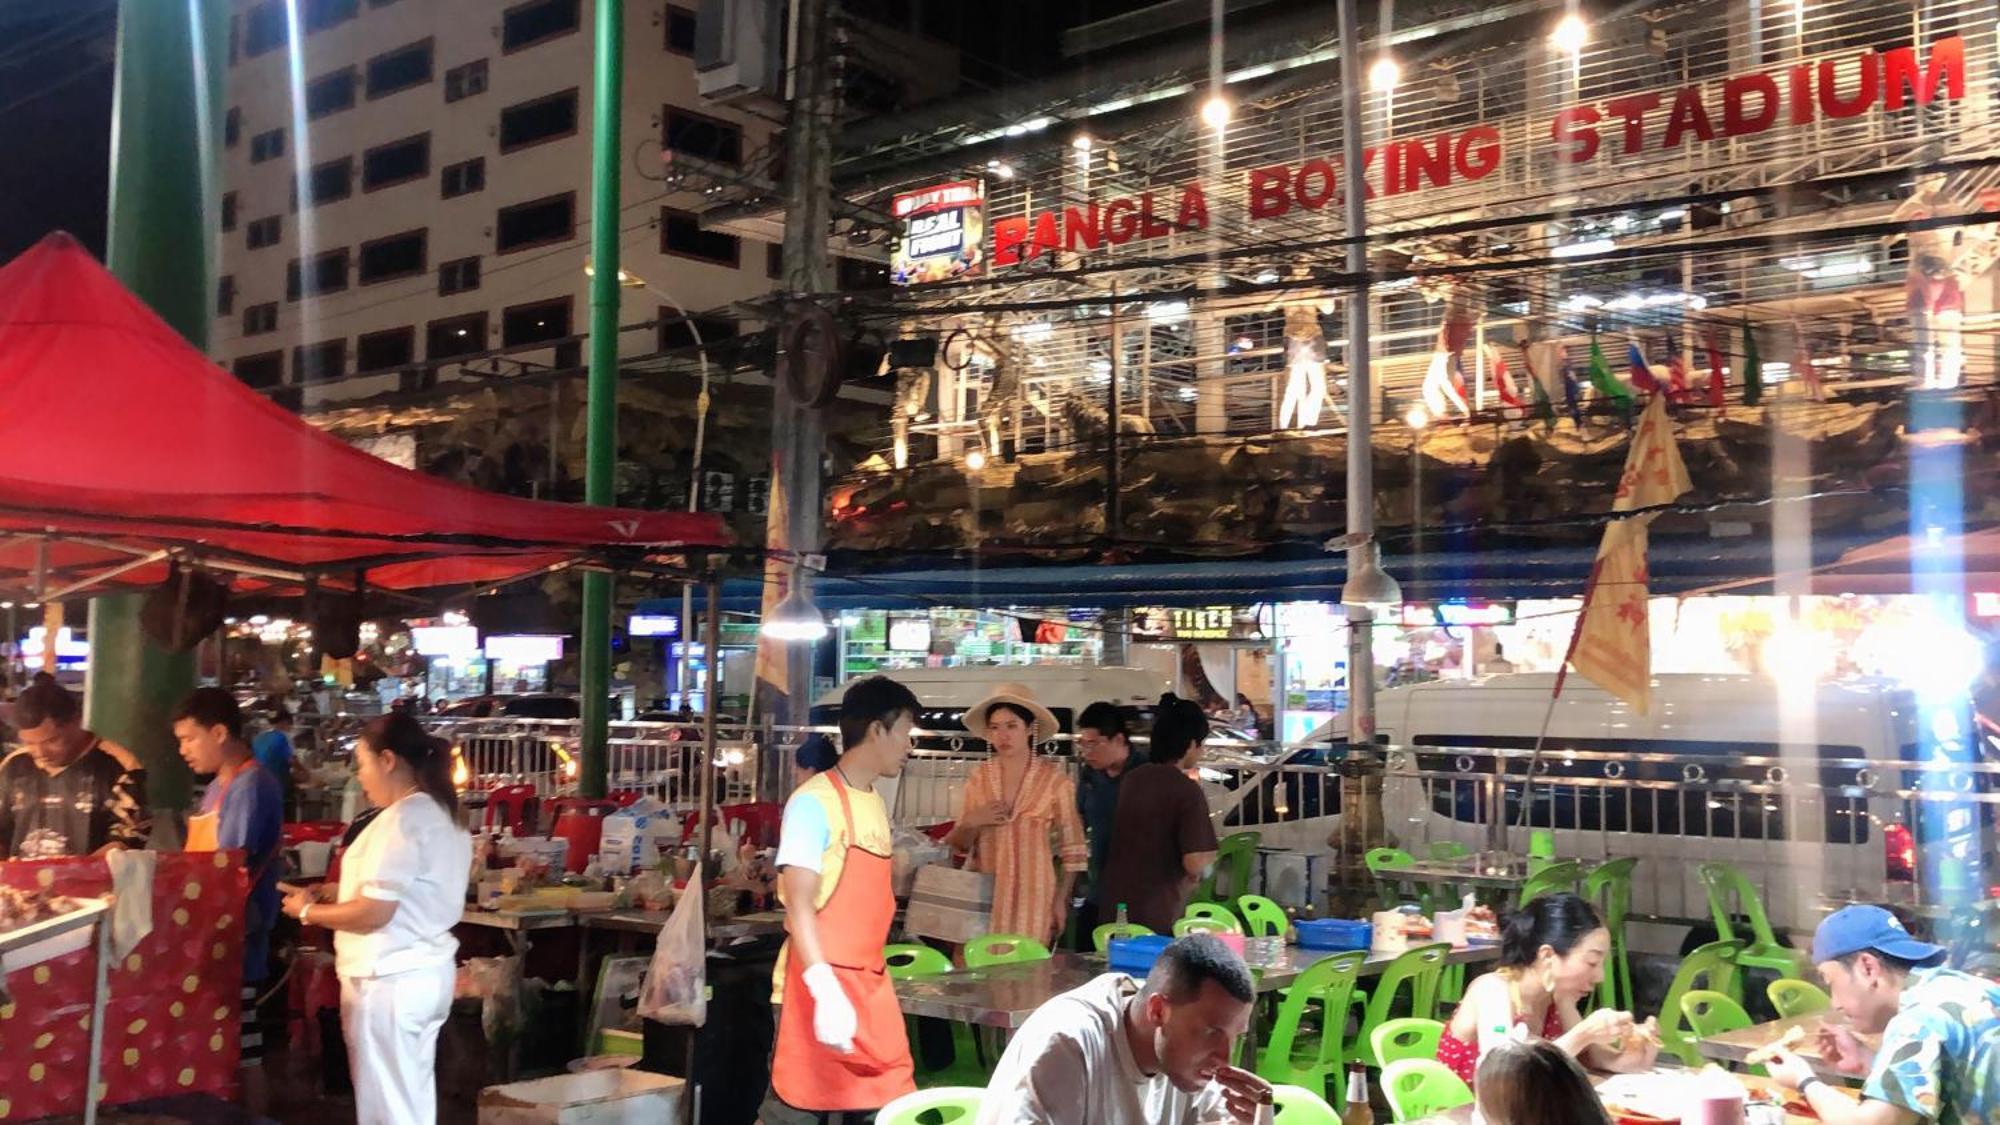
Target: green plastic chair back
point(1419, 1088)
point(1003, 949)
point(1406, 1038)
point(1185, 926)
point(1711, 1013)
point(1419, 970)
point(1262, 917)
point(1216, 912)
point(1296, 1105)
point(1609, 888)
point(939, 1105)
point(1731, 894)
point(1235, 857)
point(1448, 849)
point(1554, 877)
point(1797, 998)
point(906, 961)
point(1710, 968)
point(1328, 986)
point(1382, 863)
point(1102, 935)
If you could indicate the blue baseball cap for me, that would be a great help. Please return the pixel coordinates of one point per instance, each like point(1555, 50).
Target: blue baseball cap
point(1852, 929)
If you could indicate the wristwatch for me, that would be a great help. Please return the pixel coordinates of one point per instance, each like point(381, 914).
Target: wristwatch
point(303, 911)
point(1809, 1083)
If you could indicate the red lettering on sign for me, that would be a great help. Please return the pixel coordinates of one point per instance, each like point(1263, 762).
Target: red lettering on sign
point(1946, 70)
point(1194, 208)
point(1081, 228)
point(1864, 97)
point(1268, 198)
point(1314, 195)
point(1392, 169)
point(1008, 234)
point(1634, 109)
point(1688, 113)
point(1047, 237)
point(1574, 133)
point(1801, 87)
point(1432, 163)
point(1478, 152)
point(1736, 120)
point(1150, 225)
point(1120, 222)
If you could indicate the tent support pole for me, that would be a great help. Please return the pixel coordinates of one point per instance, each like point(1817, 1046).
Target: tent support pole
point(601, 448)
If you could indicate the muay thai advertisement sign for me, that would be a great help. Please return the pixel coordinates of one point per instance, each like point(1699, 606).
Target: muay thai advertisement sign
point(943, 233)
point(1609, 132)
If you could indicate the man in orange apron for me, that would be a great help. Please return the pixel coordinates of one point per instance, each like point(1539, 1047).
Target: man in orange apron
point(841, 1053)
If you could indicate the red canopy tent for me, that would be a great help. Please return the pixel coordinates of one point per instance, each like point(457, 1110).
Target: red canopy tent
point(121, 446)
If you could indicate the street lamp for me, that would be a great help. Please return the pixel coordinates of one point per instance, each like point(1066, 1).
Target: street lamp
point(795, 618)
point(1215, 112)
point(1370, 585)
point(1570, 34)
point(1383, 76)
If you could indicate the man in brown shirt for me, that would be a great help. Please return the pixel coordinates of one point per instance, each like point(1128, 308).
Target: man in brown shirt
point(1162, 836)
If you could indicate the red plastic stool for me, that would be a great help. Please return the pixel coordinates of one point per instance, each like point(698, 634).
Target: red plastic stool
point(580, 820)
point(512, 806)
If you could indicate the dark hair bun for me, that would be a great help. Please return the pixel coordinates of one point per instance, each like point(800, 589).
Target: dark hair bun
point(1559, 921)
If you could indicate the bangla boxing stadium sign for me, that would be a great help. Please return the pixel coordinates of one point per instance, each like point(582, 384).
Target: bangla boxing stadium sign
point(1742, 106)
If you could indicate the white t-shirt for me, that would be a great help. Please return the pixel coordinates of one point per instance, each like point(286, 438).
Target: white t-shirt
point(1072, 1064)
point(413, 855)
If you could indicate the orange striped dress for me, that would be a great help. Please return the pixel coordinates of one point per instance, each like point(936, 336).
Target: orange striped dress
point(1022, 853)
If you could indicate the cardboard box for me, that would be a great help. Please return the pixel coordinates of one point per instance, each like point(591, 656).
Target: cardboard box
point(594, 1097)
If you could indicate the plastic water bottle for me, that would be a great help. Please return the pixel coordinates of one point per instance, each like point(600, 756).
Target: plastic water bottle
point(1121, 914)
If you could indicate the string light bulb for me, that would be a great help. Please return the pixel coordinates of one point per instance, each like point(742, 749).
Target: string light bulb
point(1215, 112)
point(1570, 34)
point(975, 459)
point(1384, 75)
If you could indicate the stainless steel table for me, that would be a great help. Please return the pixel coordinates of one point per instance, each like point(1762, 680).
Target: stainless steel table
point(1503, 870)
point(755, 924)
point(1735, 1046)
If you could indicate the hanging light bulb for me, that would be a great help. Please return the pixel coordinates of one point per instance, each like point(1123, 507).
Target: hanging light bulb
point(1570, 34)
point(1369, 584)
point(1383, 76)
point(975, 459)
point(1215, 112)
point(795, 618)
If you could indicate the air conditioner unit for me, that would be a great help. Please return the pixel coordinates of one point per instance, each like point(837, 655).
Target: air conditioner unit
point(739, 50)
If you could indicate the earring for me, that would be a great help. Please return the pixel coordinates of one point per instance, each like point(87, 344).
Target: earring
point(1549, 981)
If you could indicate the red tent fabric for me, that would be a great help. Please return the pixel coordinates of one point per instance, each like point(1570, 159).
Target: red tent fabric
point(118, 439)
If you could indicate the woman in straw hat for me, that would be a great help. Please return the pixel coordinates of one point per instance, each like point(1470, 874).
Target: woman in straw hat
point(1019, 814)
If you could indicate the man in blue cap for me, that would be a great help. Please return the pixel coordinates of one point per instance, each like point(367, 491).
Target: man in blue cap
point(1939, 1057)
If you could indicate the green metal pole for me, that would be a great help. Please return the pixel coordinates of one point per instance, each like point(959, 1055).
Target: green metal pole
point(601, 441)
point(166, 118)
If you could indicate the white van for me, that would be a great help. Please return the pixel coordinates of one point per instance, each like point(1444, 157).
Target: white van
point(1711, 773)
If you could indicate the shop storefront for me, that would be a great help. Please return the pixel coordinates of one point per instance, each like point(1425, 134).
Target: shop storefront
point(877, 640)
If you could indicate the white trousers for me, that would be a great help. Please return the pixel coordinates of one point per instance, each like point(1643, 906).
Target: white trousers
point(391, 1025)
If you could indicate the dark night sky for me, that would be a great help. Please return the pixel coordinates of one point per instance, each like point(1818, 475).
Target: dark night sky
point(55, 119)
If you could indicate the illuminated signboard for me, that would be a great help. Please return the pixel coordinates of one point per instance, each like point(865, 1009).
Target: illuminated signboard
point(909, 634)
point(456, 642)
point(943, 233)
point(524, 648)
point(653, 625)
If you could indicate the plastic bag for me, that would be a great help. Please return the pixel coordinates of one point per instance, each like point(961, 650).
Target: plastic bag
point(676, 986)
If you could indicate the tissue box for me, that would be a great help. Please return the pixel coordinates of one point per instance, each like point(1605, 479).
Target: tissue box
point(1397, 930)
point(634, 837)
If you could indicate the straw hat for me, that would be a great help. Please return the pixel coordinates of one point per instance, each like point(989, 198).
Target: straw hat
point(1020, 695)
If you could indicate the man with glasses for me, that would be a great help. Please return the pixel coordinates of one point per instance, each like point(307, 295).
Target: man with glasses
point(1104, 746)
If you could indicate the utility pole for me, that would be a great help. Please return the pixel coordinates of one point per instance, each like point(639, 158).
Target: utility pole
point(798, 433)
point(601, 434)
point(166, 124)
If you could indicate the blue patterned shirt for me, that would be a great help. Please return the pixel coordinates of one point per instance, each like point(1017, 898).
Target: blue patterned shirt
point(1940, 1054)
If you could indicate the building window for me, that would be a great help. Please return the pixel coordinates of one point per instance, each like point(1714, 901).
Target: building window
point(680, 31)
point(455, 336)
point(397, 162)
point(526, 25)
point(228, 210)
point(383, 351)
point(677, 331)
point(232, 127)
point(537, 222)
point(774, 260)
point(259, 319)
point(330, 93)
point(459, 275)
point(465, 81)
point(681, 234)
point(267, 146)
point(543, 119)
point(265, 28)
point(399, 255)
point(318, 15)
point(534, 324)
point(225, 296)
point(859, 273)
point(324, 273)
point(329, 182)
point(464, 177)
point(697, 134)
point(263, 232)
point(266, 369)
point(316, 363)
point(399, 69)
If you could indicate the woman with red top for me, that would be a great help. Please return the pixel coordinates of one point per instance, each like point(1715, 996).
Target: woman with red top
point(1552, 954)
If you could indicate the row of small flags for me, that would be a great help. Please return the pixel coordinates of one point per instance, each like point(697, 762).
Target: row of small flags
point(1550, 373)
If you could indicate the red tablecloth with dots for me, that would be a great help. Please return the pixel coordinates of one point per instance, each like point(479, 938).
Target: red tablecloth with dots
point(172, 1012)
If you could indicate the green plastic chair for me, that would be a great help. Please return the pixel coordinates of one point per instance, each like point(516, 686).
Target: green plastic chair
point(1235, 856)
point(1382, 863)
point(910, 960)
point(1448, 849)
point(1419, 969)
point(1711, 1013)
point(1710, 968)
point(1327, 985)
point(1262, 917)
point(1407, 1038)
point(1185, 926)
point(1555, 877)
point(1296, 1105)
point(1609, 888)
point(939, 1105)
point(1003, 949)
point(1102, 935)
point(1214, 911)
point(1730, 894)
point(1797, 998)
point(1419, 1088)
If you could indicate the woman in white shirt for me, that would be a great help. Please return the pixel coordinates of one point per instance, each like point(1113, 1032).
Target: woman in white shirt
point(402, 888)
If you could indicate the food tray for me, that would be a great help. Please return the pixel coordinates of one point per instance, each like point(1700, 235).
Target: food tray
point(1335, 933)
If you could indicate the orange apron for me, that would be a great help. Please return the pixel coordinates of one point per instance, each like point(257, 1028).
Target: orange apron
point(853, 925)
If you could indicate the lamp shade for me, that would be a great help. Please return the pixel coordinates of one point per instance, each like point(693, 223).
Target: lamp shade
point(795, 618)
point(1368, 584)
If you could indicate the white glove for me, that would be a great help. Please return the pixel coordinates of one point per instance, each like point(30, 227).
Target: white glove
point(833, 1012)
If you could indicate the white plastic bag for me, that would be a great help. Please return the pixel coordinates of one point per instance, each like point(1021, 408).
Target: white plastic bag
point(676, 987)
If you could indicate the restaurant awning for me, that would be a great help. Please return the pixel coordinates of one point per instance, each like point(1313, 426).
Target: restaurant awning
point(122, 446)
